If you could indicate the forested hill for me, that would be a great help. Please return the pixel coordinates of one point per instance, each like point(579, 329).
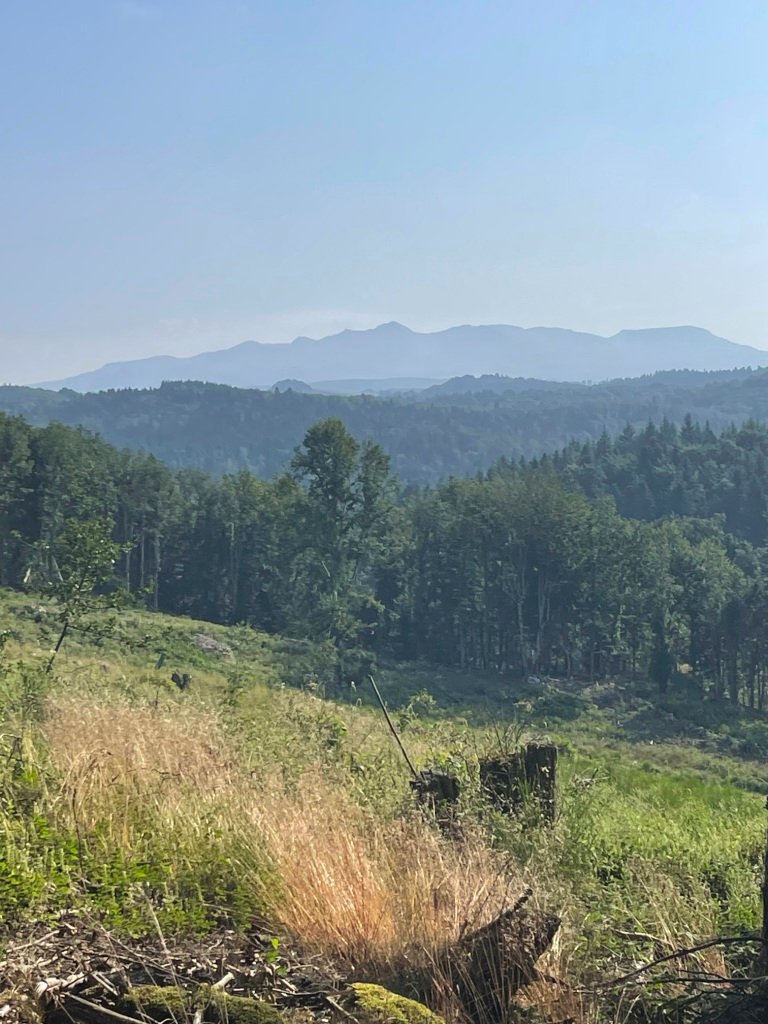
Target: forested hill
point(663, 471)
point(515, 572)
point(449, 431)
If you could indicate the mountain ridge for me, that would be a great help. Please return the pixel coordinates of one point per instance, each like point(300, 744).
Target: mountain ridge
point(394, 350)
point(457, 430)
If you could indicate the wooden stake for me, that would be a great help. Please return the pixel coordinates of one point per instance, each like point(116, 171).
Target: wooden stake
point(392, 728)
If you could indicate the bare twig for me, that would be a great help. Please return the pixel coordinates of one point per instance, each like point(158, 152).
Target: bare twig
point(93, 1012)
point(340, 1009)
point(35, 942)
point(678, 954)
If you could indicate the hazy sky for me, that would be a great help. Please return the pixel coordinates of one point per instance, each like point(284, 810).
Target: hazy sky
point(177, 175)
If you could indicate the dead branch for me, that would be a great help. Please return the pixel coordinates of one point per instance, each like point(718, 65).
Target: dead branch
point(679, 954)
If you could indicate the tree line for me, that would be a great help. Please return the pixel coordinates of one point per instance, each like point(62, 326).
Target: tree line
point(530, 569)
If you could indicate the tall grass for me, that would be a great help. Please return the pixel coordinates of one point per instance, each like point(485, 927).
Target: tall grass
point(142, 784)
point(368, 891)
point(233, 803)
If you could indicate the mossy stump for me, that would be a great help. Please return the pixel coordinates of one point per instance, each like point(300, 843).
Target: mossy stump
point(163, 1004)
point(376, 1005)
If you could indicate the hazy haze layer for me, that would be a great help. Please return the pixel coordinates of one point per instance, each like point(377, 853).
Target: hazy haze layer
point(179, 176)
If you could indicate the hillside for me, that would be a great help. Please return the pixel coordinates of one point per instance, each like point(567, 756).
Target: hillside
point(456, 429)
point(393, 350)
point(223, 772)
point(530, 569)
point(133, 808)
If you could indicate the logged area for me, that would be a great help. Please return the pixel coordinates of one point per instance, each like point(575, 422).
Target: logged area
point(383, 529)
point(169, 820)
point(319, 748)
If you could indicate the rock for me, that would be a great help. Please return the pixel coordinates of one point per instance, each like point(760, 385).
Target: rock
point(163, 1003)
point(377, 1005)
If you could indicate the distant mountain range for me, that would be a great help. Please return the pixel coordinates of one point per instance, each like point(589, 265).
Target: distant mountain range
point(393, 351)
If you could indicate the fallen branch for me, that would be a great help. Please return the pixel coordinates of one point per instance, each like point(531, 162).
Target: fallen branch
point(340, 1009)
point(705, 979)
point(223, 982)
point(679, 954)
point(83, 1009)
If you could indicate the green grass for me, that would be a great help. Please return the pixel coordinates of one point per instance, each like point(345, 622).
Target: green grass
point(659, 836)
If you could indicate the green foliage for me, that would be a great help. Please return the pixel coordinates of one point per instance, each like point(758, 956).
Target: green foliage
point(651, 839)
point(527, 602)
point(428, 436)
point(519, 573)
point(83, 561)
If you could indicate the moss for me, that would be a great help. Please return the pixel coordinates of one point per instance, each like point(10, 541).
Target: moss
point(174, 1004)
point(159, 1003)
point(239, 1010)
point(377, 1005)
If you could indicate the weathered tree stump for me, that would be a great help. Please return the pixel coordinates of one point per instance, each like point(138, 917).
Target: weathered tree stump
point(435, 788)
point(481, 975)
point(491, 965)
point(438, 793)
point(528, 775)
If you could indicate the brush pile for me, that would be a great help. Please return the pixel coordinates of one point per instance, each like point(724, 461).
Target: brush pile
point(78, 969)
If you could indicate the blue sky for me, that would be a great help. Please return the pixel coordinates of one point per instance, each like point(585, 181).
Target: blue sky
point(179, 175)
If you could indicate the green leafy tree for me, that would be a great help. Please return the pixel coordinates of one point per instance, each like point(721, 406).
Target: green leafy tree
point(344, 519)
point(85, 561)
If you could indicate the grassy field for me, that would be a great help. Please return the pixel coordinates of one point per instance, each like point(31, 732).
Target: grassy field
point(254, 795)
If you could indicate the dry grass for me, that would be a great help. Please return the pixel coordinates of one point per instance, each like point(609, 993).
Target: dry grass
point(103, 747)
point(367, 891)
point(360, 889)
point(371, 891)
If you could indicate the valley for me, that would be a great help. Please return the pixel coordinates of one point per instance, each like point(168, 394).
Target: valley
point(191, 741)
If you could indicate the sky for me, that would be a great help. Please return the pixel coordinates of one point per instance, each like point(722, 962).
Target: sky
point(183, 175)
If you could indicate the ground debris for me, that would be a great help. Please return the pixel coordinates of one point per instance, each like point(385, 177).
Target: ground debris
point(210, 645)
point(76, 969)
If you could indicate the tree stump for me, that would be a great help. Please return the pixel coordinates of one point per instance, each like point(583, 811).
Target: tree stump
point(480, 976)
point(438, 792)
point(433, 788)
point(528, 775)
point(491, 965)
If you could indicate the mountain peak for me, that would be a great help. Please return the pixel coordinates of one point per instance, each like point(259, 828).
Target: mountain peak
point(393, 325)
point(390, 328)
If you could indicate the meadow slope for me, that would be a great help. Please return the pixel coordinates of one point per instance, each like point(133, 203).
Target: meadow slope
point(254, 794)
